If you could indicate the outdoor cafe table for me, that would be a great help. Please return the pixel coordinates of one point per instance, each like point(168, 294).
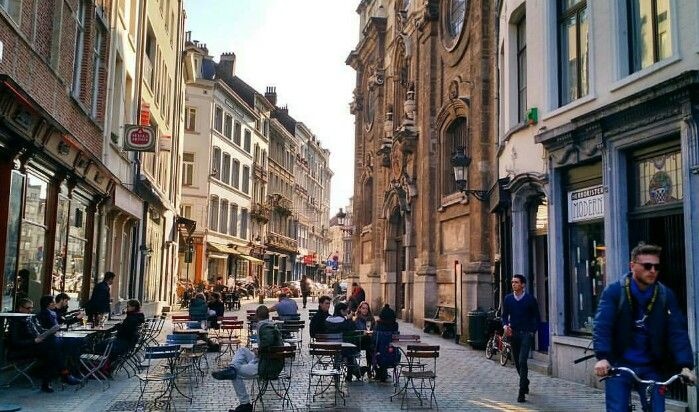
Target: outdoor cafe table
point(345, 345)
point(198, 331)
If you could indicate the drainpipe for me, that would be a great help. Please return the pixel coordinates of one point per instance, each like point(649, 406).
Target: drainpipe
point(140, 46)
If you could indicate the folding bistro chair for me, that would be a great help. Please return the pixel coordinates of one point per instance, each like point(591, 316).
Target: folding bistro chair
point(229, 338)
point(278, 381)
point(166, 375)
point(420, 377)
point(325, 373)
point(93, 363)
point(20, 364)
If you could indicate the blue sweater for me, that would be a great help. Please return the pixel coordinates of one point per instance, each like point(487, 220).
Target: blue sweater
point(522, 315)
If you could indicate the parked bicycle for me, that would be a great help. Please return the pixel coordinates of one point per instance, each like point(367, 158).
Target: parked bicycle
point(498, 343)
point(650, 385)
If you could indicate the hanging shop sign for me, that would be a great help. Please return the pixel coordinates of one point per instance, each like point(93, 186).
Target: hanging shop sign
point(139, 138)
point(586, 204)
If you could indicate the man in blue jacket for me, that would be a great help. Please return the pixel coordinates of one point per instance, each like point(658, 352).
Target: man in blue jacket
point(639, 325)
point(520, 319)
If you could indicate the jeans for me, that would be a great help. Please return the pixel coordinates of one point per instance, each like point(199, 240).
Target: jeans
point(618, 390)
point(245, 363)
point(521, 345)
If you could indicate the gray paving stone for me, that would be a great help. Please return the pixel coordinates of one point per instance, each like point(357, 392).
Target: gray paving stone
point(467, 381)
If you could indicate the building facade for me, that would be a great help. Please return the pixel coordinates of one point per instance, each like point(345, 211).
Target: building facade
point(219, 190)
point(53, 182)
point(425, 91)
point(616, 123)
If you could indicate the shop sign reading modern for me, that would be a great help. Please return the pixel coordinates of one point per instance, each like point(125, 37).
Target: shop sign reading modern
point(139, 138)
point(586, 204)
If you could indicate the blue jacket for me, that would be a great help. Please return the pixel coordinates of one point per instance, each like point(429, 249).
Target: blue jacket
point(612, 333)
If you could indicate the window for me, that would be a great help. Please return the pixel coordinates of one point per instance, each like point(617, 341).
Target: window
point(235, 174)
point(223, 223)
point(657, 180)
point(256, 154)
point(187, 169)
point(650, 39)
point(246, 179)
point(216, 163)
point(244, 223)
point(227, 125)
point(522, 69)
point(97, 64)
point(233, 227)
point(218, 119)
point(454, 139)
point(186, 211)
point(236, 133)
point(190, 119)
point(573, 48)
point(213, 213)
point(79, 46)
point(13, 8)
point(226, 168)
point(454, 21)
point(247, 141)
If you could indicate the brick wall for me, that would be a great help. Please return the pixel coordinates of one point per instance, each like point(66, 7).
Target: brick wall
point(39, 55)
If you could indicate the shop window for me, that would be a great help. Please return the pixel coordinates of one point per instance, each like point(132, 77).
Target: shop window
point(72, 282)
point(61, 242)
point(658, 179)
point(14, 216)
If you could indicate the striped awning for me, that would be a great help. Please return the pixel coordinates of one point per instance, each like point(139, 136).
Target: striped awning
point(251, 259)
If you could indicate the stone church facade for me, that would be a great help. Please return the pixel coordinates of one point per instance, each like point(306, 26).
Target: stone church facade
point(425, 89)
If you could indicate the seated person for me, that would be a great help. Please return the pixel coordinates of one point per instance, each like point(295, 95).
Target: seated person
point(61, 309)
point(286, 307)
point(340, 322)
point(127, 332)
point(219, 286)
point(384, 329)
point(246, 363)
point(198, 309)
point(318, 319)
point(216, 309)
point(25, 340)
point(364, 321)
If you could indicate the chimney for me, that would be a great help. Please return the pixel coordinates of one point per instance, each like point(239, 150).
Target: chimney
point(227, 63)
point(284, 109)
point(271, 95)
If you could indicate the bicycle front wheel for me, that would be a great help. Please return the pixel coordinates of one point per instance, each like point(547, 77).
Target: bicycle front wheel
point(489, 351)
point(505, 355)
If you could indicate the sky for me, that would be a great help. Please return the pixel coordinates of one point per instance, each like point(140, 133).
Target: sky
point(299, 46)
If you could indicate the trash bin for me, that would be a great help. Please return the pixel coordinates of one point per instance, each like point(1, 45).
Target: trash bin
point(477, 325)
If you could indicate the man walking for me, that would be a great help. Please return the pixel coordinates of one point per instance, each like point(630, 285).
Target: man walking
point(246, 363)
point(305, 289)
point(520, 319)
point(639, 325)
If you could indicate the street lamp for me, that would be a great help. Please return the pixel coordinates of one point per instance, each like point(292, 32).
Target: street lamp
point(460, 161)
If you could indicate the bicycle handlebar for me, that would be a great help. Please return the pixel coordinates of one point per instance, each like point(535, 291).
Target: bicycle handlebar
point(618, 370)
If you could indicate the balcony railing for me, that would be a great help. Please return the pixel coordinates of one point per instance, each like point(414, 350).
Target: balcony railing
point(260, 212)
point(281, 242)
point(280, 204)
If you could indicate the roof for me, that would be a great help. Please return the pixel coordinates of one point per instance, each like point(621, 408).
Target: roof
point(289, 123)
point(242, 89)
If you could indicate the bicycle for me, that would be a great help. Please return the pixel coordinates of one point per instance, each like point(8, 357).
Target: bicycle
point(650, 384)
point(498, 343)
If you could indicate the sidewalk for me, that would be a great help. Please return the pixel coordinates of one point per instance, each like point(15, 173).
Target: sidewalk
point(467, 381)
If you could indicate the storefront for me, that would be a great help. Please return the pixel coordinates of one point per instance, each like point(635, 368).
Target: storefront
point(55, 190)
point(624, 174)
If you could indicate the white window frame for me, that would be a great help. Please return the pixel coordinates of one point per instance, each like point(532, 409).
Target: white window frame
point(188, 168)
point(80, 19)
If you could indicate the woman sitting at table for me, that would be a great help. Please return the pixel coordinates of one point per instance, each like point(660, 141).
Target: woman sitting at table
point(198, 310)
point(386, 356)
point(216, 309)
point(364, 321)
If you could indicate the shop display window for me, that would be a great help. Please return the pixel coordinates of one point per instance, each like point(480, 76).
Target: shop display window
point(10, 271)
point(586, 274)
point(32, 239)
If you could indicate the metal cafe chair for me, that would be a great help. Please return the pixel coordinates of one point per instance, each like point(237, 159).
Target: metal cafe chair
point(93, 363)
point(325, 373)
point(20, 365)
point(229, 338)
point(278, 383)
point(169, 354)
point(420, 376)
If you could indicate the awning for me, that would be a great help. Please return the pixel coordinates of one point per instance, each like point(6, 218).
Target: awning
point(214, 255)
point(251, 259)
point(221, 248)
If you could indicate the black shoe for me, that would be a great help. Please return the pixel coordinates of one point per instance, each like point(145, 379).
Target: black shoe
point(243, 407)
point(70, 380)
point(520, 398)
point(225, 374)
point(46, 387)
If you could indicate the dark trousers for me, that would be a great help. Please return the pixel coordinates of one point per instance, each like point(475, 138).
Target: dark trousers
point(305, 298)
point(521, 345)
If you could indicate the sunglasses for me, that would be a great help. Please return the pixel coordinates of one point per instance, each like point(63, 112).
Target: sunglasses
point(28, 307)
point(649, 266)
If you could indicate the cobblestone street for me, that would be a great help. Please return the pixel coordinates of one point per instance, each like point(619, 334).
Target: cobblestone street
point(467, 381)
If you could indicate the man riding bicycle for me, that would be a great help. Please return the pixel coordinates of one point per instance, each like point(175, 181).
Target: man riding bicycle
point(639, 325)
